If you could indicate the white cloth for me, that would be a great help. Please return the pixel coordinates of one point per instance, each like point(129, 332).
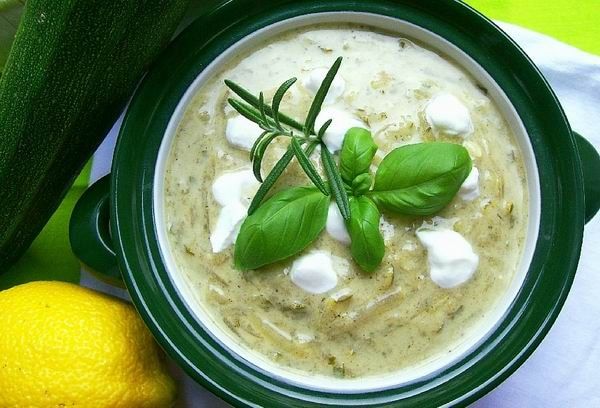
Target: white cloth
point(562, 372)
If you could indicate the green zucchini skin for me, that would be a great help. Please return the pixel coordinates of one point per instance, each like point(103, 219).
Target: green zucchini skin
point(71, 70)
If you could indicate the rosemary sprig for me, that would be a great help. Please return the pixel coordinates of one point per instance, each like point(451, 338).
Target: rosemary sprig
point(257, 142)
point(317, 103)
point(273, 176)
point(247, 111)
point(277, 99)
point(261, 109)
point(259, 153)
point(308, 167)
point(335, 182)
point(253, 101)
point(323, 129)
point(271, 120)
point(271, 179)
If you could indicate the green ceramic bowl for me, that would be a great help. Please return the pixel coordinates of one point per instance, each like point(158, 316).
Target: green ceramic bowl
point(564, 194)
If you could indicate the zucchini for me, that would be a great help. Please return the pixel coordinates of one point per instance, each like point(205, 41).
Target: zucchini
point(71, 69)
point(10, 14)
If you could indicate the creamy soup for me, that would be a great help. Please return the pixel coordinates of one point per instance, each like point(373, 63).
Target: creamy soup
point(318, 312)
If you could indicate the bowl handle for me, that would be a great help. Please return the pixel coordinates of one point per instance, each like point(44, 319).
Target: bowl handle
point(89, 233)
point(590, 162)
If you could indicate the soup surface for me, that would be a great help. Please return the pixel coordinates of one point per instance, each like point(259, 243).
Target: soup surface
point(396, 317)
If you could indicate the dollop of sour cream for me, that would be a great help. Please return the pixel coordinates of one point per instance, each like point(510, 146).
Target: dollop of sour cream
point(228, 226)
point(469, 190)
point(315, 77)
point(451, 258)
point(233, 191)
point(235, 186)
point(448, 115)
point(242, 132)
point(335, 226)
point(314, 272)
point(341, 122)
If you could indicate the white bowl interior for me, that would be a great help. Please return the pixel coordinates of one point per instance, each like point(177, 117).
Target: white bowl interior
point(477, 334)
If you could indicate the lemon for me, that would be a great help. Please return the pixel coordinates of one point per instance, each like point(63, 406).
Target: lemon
point(62, 345)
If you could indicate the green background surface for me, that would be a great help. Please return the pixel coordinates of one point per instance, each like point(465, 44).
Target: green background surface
point(574, 22)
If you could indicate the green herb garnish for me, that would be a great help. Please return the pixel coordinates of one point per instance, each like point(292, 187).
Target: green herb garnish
point(367, 246)
point(418, 179)
point(357, 154)
point(283, 226)
point(336, 183)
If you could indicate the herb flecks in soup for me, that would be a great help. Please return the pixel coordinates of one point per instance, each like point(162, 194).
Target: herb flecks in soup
point(434, 280)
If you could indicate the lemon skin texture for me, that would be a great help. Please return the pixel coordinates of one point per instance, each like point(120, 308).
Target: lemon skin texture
point(62, 345)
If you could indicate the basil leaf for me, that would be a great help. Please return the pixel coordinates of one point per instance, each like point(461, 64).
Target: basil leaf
point(357, 153)
point(283, 226)
point(361, 184)
point(367, 245)
point(420, 179)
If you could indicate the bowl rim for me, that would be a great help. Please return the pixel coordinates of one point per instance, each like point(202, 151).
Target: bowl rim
point(467, 379)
